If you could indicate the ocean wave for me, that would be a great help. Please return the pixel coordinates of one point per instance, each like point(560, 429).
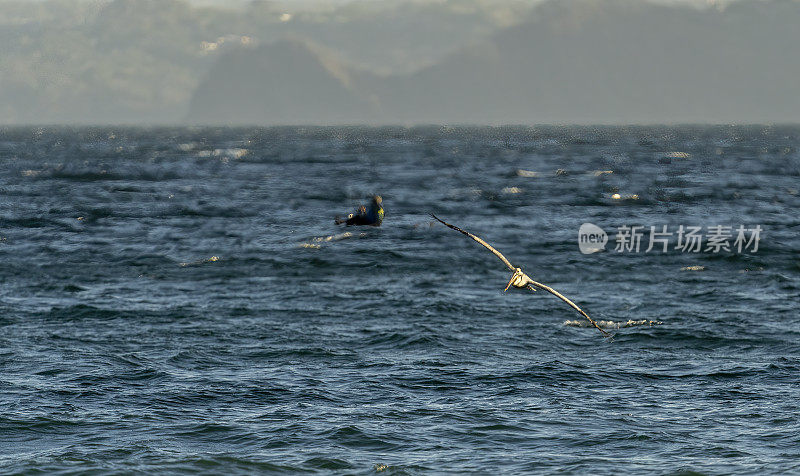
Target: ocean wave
point(178, 327)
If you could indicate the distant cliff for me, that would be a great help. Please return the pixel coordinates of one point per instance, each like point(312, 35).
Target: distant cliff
point(284, 83)
point(584, 61)
point(141, 61)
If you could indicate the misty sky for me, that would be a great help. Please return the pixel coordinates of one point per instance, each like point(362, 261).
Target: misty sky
point(239, 3)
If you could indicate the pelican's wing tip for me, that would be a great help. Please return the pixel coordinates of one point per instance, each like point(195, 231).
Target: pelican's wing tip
point(439, 219)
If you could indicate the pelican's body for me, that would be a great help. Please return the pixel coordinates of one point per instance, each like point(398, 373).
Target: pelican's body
point(519, 279)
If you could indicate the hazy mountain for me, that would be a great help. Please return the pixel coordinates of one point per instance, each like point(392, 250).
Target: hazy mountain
point(621, 61)
point(285, 83)
point(498, 61)
point(596, 61)
point(103, 61)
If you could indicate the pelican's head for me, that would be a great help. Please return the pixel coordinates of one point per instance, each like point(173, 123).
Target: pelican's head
point(377, 200)
point(518, 280)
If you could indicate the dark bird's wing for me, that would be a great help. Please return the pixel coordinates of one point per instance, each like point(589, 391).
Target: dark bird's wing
point(564, 298)
point(487, 245)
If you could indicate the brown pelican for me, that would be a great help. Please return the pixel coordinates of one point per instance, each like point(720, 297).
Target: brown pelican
point(520, 279)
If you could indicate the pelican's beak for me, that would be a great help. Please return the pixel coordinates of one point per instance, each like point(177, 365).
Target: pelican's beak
point(509, 282)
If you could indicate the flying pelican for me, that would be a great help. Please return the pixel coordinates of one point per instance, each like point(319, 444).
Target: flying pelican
point(520, 279)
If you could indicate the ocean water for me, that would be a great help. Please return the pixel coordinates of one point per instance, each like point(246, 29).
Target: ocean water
point(180, 301)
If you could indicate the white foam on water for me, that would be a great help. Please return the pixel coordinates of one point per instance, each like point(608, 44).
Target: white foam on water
point(314, 242)
point(612, 324)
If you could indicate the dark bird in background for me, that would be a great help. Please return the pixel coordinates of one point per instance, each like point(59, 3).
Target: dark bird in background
point(372, 216)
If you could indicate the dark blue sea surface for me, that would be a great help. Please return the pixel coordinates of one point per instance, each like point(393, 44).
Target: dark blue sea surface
point(180, 301)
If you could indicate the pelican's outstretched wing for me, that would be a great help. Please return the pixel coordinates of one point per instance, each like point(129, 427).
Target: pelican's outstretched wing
point(557, 294)
point(532, 285)
point(487, 245)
